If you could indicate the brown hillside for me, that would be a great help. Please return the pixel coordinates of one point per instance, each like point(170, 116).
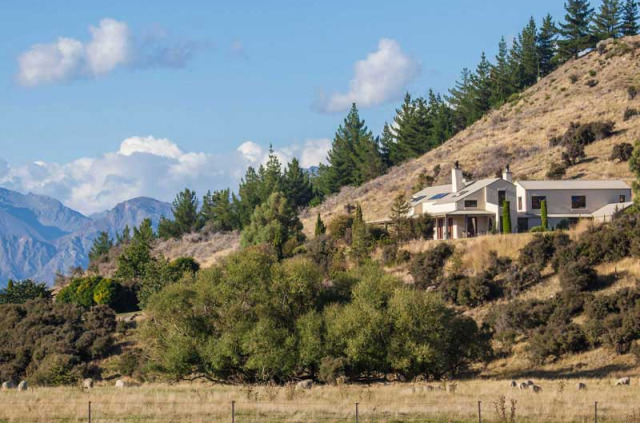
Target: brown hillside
point(594, 87)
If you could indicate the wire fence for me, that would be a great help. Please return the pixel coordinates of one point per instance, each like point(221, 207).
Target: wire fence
point(290, 412)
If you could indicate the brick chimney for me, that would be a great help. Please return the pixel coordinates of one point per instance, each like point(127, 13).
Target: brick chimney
point(457, 183)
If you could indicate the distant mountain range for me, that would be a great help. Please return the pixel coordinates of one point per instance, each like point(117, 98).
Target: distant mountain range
point(39, 236)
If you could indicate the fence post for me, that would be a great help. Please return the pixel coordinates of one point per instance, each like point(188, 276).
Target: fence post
point(595, 412)
point(479, 412)
point(356, 412)
point(89, 412)
point(233, 412)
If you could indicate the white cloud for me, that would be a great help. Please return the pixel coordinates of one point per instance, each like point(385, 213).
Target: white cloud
point(111, 46)
point(381, 77)
point(146, 166)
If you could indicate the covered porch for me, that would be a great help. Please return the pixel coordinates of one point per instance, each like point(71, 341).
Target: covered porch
point(464, 224)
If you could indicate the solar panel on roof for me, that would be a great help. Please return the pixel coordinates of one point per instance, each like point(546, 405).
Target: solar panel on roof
point(438, 196)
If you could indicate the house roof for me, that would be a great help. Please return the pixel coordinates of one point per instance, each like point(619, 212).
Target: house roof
point(427, 193)
point(573, 184)
point(473, 187)
point(611, 209)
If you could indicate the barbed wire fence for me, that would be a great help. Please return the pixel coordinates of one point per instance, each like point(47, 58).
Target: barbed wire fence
point(267, 412)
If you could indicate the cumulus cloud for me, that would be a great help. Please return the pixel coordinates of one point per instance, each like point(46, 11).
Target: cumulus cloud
point(381, 77)
point(110, 47)
point(146, 166)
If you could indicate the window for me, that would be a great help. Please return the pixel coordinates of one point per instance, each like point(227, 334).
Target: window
point(502, 195)
point(519, 203)
point(523, 224)
point(578, 202)
point(439, 196)
point(470, 203)
point(622, 198)
point(536, 201)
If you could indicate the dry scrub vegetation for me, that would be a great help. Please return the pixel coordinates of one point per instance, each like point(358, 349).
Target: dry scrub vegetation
point(519, 133)
point(559, 401)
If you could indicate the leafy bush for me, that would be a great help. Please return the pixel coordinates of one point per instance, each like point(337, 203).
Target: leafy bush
point(339, 225)
point(427, 267)
point(389, 254)
point(577, 276)
point(89, 291)
point(50, 343)
point(556, 340)
point(621, 152)
point(556, 171)
point(541, 248)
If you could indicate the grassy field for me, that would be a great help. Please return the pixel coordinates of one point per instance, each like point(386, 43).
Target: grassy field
point(559, 401)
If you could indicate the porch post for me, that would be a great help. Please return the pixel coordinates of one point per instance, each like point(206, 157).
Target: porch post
point(446, 228)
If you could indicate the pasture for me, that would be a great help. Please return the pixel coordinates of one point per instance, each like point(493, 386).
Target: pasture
point(558, 401)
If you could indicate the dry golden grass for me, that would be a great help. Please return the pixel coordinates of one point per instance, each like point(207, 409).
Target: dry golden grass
point(206, 249)
point(559, 401)
point(518, 133)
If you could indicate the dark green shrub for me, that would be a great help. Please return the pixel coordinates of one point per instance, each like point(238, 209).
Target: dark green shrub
point(404, 256)
point(556, 171)
point(18, 292)
point(130, 362)
point(577, 276)
point(427, 267)
point(339, 225)
point(621, 152)
point(389, 254)
point(89, 291)
point(556, 340)
point(331, 368)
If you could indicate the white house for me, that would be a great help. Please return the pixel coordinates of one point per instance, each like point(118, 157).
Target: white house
point(470, 208)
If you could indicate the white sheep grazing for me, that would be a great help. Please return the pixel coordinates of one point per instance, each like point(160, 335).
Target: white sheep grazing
point(523, 385)
point(623, 381)
point(87, 383)
point(120, 383)
point(536, 389)
point(581, 386)
point(530, 383)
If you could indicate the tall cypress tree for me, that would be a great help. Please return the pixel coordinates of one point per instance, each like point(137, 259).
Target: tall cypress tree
point(575, 29)
point(607, 22)
point(629, 18)
point(546, 42)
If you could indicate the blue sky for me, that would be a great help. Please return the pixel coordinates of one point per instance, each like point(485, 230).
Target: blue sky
point(208, 76)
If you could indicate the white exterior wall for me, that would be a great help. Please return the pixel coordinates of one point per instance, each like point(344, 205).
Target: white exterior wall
point(559, 200)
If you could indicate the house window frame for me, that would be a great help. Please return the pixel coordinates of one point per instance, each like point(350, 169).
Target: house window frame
point(520, 203)
point(539, 199)
point(576, 204)
point(470, 204)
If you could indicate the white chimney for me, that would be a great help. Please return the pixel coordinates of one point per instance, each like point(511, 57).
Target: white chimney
point(507, 175)
point(457, 183)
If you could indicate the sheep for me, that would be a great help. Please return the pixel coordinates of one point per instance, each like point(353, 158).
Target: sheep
point(581, 386)
point(530, 383)
point(536, 389)
point(87, 383)
point(523, 385)
point(623, 381)
point(514, 384)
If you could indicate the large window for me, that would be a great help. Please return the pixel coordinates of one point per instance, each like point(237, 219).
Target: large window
point(470, 204)
point(536, 201)
point(578, 202)
point(519, 203)
point(622, 198)
point(502, 195)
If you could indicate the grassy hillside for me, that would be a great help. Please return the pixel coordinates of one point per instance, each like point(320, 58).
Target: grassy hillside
point(592, 88)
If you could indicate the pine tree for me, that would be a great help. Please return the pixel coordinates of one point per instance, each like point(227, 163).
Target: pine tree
point(400, 217)
point(296, 185)
point(388, 147)
point(125, 237)
point(501, 87)
point(607, 22)
point(270, 176)
point(406, 130)
point(516, 70)
point(368, 160)
point(218, 211)
point(360, 236)
point(629, 18)
point(461, 99)
point(441, 118)
point(530, 60)
point(185, 212)
point(248, 195)
point(575, 29)
point(320, 228)
point(481, 89)
point(137, 254)
point(101, 246)
point(546, 43)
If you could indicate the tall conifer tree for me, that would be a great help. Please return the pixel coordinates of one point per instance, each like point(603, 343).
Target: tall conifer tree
point(607, 22)
point(546, 42)
point(575, 29)
point(630, 18)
